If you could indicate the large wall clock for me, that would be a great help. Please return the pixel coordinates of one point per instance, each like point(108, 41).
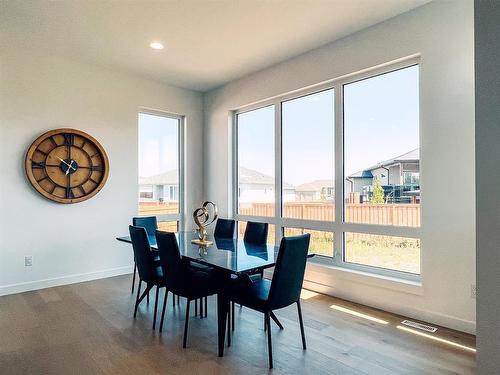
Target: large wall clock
point(67, 165)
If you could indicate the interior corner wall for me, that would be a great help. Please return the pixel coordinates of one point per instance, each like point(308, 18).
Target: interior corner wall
point(70, 243)
point(442, 33)
point(487, 69)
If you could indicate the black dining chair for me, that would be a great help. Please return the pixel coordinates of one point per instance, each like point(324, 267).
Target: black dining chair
point(283, 290)
point(255, 234)
point(180, 278)
point(224, 228)
point(150, 224)
point(150, 271)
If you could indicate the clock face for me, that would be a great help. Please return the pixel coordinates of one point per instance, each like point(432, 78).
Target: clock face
point(67, 165)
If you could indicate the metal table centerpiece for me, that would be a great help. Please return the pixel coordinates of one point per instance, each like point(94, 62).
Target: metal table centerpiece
point(202, 219)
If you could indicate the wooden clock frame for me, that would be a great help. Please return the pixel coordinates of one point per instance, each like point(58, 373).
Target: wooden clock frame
point(48, 146)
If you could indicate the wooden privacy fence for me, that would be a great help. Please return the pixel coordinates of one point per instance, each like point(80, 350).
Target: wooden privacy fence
point(407, 215)
point(157, 208)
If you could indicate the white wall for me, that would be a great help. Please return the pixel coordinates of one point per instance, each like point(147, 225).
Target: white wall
point(442, 32)
point(487, 52)
point(39, 92)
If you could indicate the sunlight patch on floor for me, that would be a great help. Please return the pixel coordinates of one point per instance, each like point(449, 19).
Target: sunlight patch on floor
point(358, 314)
point(435, 338)
point(306, 294)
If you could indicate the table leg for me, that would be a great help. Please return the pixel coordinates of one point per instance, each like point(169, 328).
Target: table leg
point(222, 311)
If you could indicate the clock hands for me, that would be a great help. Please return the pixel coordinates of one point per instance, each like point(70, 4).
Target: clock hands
point(70, 166)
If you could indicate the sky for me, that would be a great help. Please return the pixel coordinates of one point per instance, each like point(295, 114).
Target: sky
point(381, 121)
point(158, 146)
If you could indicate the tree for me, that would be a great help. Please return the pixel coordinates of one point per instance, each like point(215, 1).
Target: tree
point(378, 192)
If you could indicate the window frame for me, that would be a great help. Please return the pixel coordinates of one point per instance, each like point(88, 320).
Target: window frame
point(338, 227)
point(181, 120)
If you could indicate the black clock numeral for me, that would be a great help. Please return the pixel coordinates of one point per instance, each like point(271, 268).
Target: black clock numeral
point(69, 139)
point(94, 181)
point(53, 141)
point(41, 152)
point(38, 165)
point(98, 168)
point(82, 190)
point(69, 193)
point(53, 189)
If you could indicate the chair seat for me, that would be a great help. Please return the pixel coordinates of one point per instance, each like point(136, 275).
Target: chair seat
point(196, 284)
point(254, 295)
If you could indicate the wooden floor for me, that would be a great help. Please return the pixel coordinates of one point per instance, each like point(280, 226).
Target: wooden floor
point(88, 328)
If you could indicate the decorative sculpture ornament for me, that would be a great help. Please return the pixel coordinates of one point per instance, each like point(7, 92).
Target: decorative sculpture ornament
point(202, 219)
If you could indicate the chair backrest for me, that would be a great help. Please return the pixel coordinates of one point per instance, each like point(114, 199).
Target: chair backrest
point(170, 260)
point(256, 233)
point(142, 253)
point(289, 271)
point(148, 222)
point(224, 228)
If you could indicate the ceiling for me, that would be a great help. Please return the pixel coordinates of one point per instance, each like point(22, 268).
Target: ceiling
point(207, 42)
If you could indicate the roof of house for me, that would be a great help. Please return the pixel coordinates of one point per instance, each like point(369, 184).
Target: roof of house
point(314, 186)
point(165, 178)
point(410, 156)
point(251, 176)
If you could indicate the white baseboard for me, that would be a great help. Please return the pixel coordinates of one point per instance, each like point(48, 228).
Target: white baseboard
point(64, 280)
point(410, 312)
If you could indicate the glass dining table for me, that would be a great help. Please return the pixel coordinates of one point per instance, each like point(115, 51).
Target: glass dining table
point(230, 256)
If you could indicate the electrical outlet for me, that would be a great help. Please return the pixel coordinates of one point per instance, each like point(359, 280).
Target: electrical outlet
point(28, 261)
point(473, 291)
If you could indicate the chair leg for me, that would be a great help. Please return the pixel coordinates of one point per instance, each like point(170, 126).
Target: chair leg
point(178, 300)
point(186, 323)
point(278, 323)
point(146, 293)
point(195, 307)
point(269, 343)
point(202, 313)
point(133, 277)
point(206, 307)
point(301, 326)
point(156, 307)
point(173, 301)
point(137, 298)
point(147, 298)
point(163, 311)
point(233, 319)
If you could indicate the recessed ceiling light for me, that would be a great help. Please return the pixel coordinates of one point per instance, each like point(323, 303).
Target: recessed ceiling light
point(156, 45)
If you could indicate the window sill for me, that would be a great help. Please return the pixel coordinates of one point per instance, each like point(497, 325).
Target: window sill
point(320, 269)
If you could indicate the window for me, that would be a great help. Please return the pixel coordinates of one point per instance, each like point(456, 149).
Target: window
point(389, 252)
point(340, 161)
point(168, 226)
point(160, 168)
point(381, 140)
point(307, 140)
point(256, 182)
point(321, 242)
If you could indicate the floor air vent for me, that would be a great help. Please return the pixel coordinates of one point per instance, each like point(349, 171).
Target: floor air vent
point(420, 326)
